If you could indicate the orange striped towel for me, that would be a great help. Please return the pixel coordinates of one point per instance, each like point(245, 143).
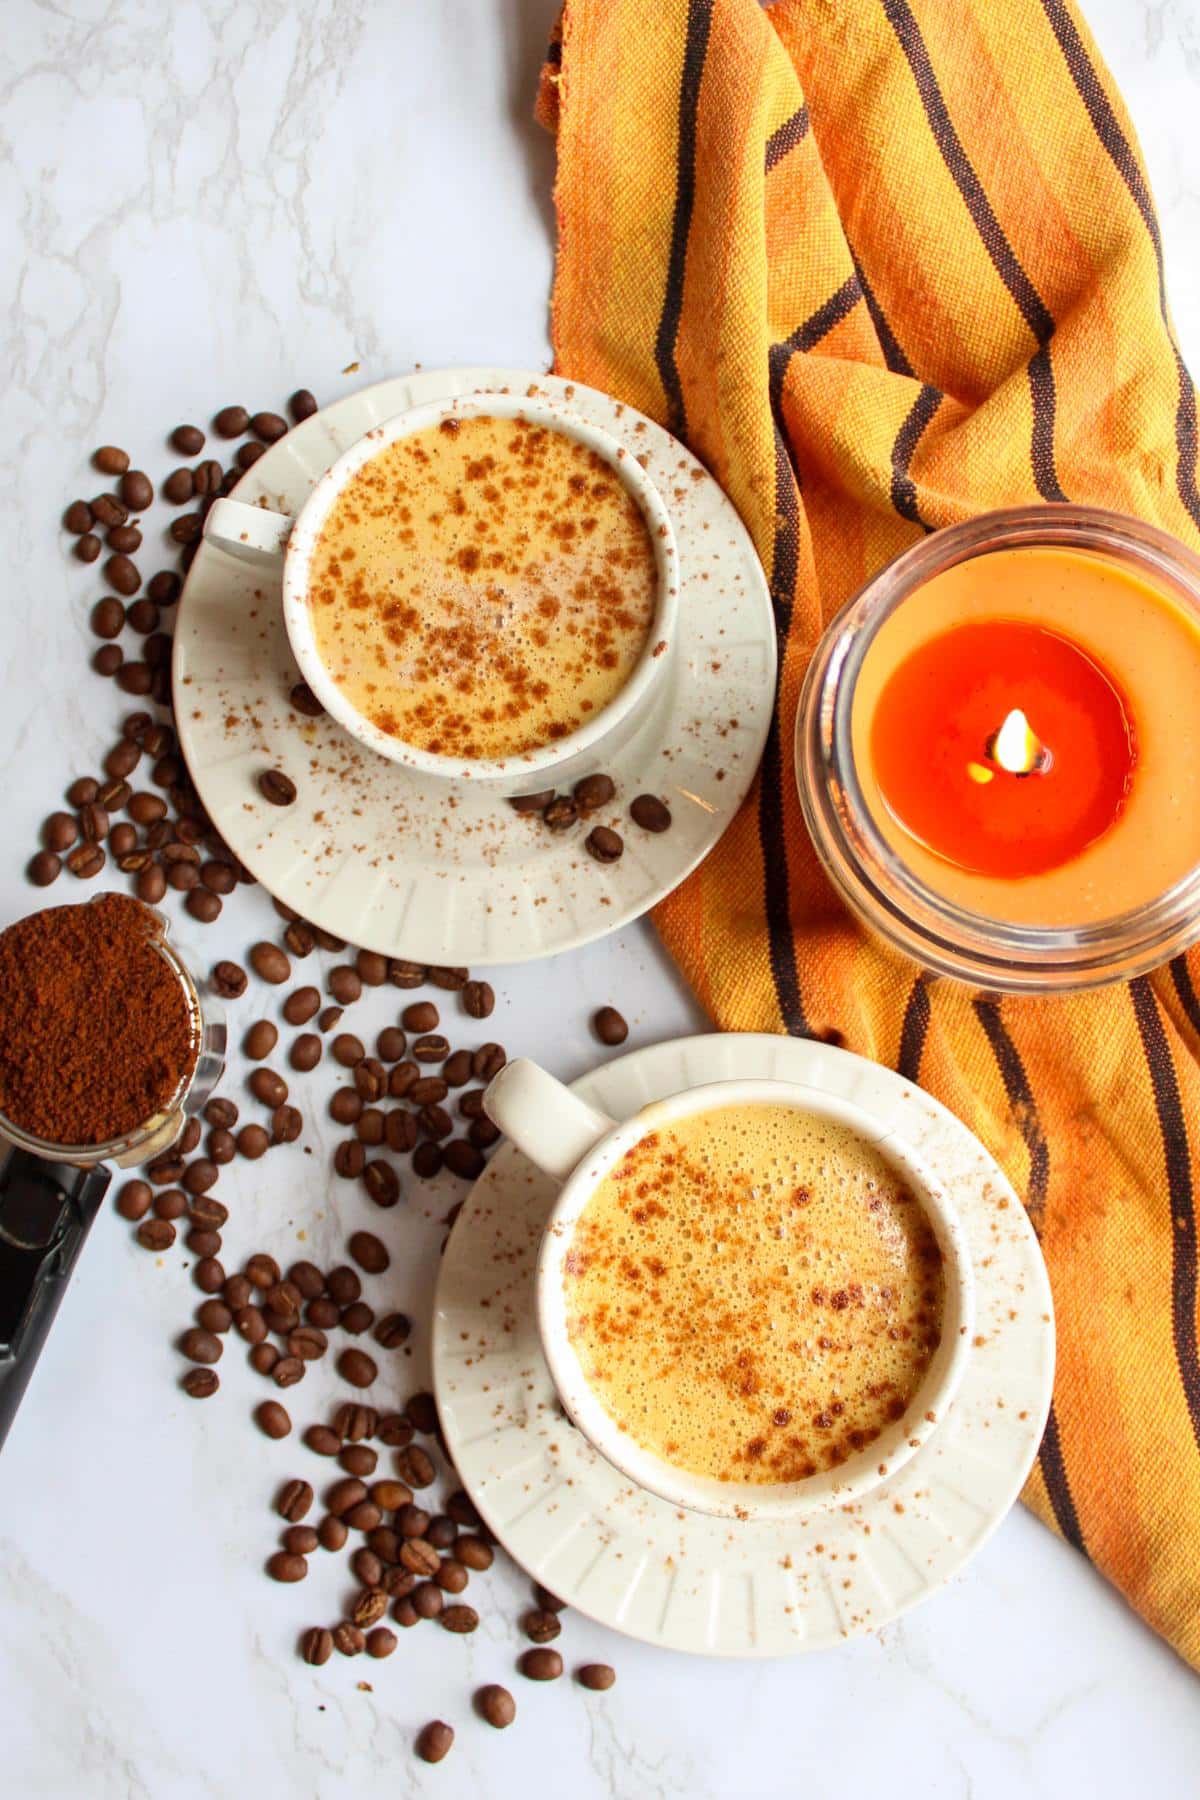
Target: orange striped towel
point(886, 264)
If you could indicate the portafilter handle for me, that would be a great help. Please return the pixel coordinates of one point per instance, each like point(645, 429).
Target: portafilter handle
point(46, 1212)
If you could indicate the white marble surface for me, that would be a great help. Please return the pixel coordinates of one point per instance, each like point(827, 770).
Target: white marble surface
point(201, 203)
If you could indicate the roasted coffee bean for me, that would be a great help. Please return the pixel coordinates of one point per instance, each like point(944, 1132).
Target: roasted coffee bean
point(165, 1170)
point(170, 1204)
point(207, 1211)
point(302, 405)
point(269, 962)
point(307, 1280)
point(187, 439)
point(435, 1122)
point(305, 1052)
point(294, 1500)
point(133, 677)
point(252, 1142)
point(396, 1430)
point(345, 1106)
point(532, 803)
point(277, 788)
point(214, 1316)
point(479, 999)
point(59, 831)
point(456, 1070)
point(283, 1297)
point(593, 792)
point(247, 456)
point(262, 1271)
point(301, 1540)
point(179, 487)
point(359, 1460)
point(229, 981)
point(391, 1043)
point(364, 1517)
point(442, 1531)
point(463, 1159)
point(268, 426)
point(452, 1577)
point(393, 1330)
point(561, 814)
point(287, 1371)
point(452, 979)
point(205, 1244)
point(307, 1342)
point(546, 1600)
point(83, 791)
point(108, 510)
point(142, 616)
point(87, 548)
point(316, 1646)
point(359, 1369)
point(460, 1619)
point(603, 845)
point(133, 1201)
point(349, 1160)
point(249, 1324)
point(650, 813)
point(429, 1090)
point(267, 1086)
point(263, 1358)
point(402, 1079)
point(43, 868)
point(109, 659)
point(218, 877)
point(208, 1275)
point(473, 1553)
point(419, 1556)
point(202, 905)
point(200, 1175)
point(207, 477)
point(121, 574)
point(432, 1048)
point(415, 1466)
point(347, 1049)
point(427, 1600)
point(599, 1677)
point(345, 984)
point(487, 1061)
point(273, 1419)
point(260, 1040)
point(221, 1112)
point(301, 1005)
point(353, 1420)
point(412, 1521)
point(283, 1566)
point(329, 1017)
point(78, 518)
point(609, 1026)
point(540, 1665)
point(109, 460)
point(93, 822)
point(348, 1638)
point(496, 1705)
point(404, 974)
point(300, 939)
point(322, 1441)
point(357, 1317)
point(427, 1160)
point(113, 794)
point(108, 618)
point(397, 1582)
point(541, 1626)
point(369, 1570)
point(137, 490)
point(369, 1252)
point(332, 1532)
point(305, 701)
point(201, 1346)
point(237, 1293)
point(382, 1183)
point(345, 1494)
point(231, 421)
point(381, 1642)
point(420, 1016)
point(462, 1510)
point(164, 588)
point(400, 1130)
point(86, 861)
point(199, 1384)
point(434, 1741)
point(146, 809)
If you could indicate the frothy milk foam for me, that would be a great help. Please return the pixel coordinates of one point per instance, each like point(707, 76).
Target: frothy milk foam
point(753, 1294)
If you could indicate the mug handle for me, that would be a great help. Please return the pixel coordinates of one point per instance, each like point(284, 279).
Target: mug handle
point(544, 1119)
point(251, 533)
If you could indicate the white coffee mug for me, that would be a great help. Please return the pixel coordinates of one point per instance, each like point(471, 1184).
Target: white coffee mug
point(577, 1145)
point(256, 534)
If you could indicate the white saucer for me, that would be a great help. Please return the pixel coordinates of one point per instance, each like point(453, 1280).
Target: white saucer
point(376, 855)
point(679, 1579)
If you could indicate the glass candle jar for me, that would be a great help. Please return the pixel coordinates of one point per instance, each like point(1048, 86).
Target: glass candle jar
point(1111, 906)
point(158, 1132)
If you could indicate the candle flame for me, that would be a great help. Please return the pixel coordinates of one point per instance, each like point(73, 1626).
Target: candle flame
point(1015, 747)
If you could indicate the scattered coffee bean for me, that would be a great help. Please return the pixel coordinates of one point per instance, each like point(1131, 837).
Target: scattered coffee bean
point(121, 574)
point(305, 701)
point(109, 460)
point(496, 1705)
point(429, 1090)
point(345, 984)
point(170, 1204)
point(86, 861)
point(369, 1607)
point(391, 1042)
point(301, 1005)
point(108, 618)
point(382, 1183)
point(395, 1430)
point(540, 1665)
point(302, 405)
point(330, 1017)
point(133, 1201)
point(164, 588)
point(268, 426)
point(267, 1086)
point(415, 1466)
point(347, 1049)
point(179, 487)
point(78, 518)
point(650, 813)
point(214, 1316)
point(479, 999)
point(427, 1160)
point(473, 1553)
point(452, 979)
point(452, 1577)
point(369, 1252)
point(43, 868)
point(208, 477)
point(432, 1048)
point(322, 1441)
point(359, 1369)
point(260, 1040)
point(87, 548)
point(593, 792)
point(420, 1016)
point(546, 1600)
point(460, 1619)
point(201, 1346)
point(269, 962)
point(404, 974)
point(603, 845)
point(402, 1079)
point(316, 1646)
point(463, 1159)
point(487, 1061)
point(276, 787)
point(357, 1317)
point(353, 1420)
point(137, 490)
point(287, 1371)
point(393, 1330)
point(231, 421)
point(599, 1677)
point(283, 1566)
point(273, 1419)
point(361, 1460)
point(561, 814)
point(333, 1533)
point(247, 456)
point(434, 1740)
point(108, 659)
point(381, 1642)
point(609, 1026)
point(349, 1160)
point(541, 1626)
point(532, 803)
point(229, 981)
point(208, 1275)
point(187, 439)
point(294, 1500)
point(128, 540)
point(109, 511)
point(200, 1384)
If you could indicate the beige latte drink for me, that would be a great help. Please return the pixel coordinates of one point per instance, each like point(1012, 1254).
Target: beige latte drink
point(482, 588)
point(753, 1294)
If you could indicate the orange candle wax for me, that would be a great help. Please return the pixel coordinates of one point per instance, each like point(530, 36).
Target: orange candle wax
point(1026, 729)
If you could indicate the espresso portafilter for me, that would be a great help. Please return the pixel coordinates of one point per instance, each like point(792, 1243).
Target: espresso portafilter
point(51, 1193)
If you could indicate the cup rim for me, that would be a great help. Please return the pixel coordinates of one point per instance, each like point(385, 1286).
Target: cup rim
point(880, 1459)
point(503, 404)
